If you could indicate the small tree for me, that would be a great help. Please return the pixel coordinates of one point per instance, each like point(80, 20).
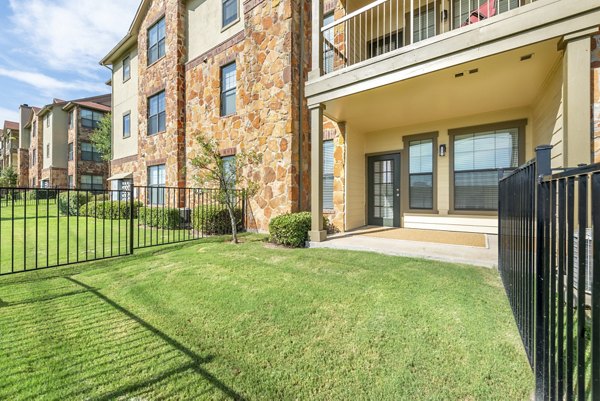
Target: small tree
point(8, 177)
point(102, 137)
point(213, 172)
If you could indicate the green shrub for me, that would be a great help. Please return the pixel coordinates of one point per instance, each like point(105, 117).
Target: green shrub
point(110, 209)
point(215, 220)
point(40, 194)
point(70, 202)
point(161, 217)
point(291, 229)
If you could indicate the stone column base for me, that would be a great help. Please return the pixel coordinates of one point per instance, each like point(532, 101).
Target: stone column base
point(317, 236)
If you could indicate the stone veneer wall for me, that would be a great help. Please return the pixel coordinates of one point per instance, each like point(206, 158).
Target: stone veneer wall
point(166, 74)
point(267, 114)
point(23, 168)
point(595, 66)
point(57, 177)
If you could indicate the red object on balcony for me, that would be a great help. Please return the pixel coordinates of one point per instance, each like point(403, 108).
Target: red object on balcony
point(486, 10)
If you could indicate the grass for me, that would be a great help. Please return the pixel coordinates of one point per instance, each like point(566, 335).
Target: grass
point(45, 237)
point(212, 320)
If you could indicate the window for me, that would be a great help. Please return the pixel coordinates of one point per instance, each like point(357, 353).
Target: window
point(71, 114)
point(33, 182)
point(33, 157)
point(48, 120)
point(462, 9)
point(228, 89)
point(477, 158)
point(70, 151)
point(70, 181)
point(47, 150)
point(230, 170)
point(386, 43)
point(45, 184)
point(420, 174)
point(230, 11)
point(424, 23)
point(90, 153)
point(92, 182)
point(328, 175)
point(90, 119)
point(127, 125)
point(157, 180)
point(156, 41)
point(157, 117)
point(34, 129)
point(126, 68)
point(328, 45)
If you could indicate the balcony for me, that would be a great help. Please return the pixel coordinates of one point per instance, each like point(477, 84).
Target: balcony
point(373, 29)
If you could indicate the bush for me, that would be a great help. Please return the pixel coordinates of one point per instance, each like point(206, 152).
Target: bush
point(291, 229)
point(159, 217)
point(110, 209)
point(40, 194)
point(215, 220)
point(70, 202)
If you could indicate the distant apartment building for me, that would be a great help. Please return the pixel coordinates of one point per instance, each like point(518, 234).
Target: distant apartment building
point(9, 145)
point(26, 114)
point(60, 152)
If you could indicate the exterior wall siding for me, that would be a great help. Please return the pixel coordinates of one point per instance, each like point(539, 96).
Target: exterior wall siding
point(37, 144)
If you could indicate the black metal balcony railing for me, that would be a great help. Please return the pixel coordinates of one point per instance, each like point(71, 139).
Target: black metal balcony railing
point(386, 25)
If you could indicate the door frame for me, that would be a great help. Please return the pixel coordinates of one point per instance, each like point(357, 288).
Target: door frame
point(397, 218)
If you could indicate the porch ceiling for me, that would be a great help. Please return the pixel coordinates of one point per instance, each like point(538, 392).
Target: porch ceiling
point(502, 82)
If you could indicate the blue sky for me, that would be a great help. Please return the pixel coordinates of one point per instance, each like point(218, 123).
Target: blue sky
point(51, 49)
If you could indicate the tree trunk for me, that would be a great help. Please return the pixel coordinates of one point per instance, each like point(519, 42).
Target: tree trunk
point(234, 238)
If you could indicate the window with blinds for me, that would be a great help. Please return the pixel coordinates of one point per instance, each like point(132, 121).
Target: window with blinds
point(478, 157)
point(328, 175)
point(461, 9)
point(424, 23)
point(420, 155)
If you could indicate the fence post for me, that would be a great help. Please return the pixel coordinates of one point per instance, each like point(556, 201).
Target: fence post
point(131, 216)
point(543, 168)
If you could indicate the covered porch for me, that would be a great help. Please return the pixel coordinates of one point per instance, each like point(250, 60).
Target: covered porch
point(426, 153)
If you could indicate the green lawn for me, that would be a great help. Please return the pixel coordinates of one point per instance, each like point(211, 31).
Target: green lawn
point(212, 320)
point(45, 237)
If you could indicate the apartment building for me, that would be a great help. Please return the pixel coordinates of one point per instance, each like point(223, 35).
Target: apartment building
point(60, 152)
point(439, 98)
point(9, 144)
point(26, 114)
point(226, 69)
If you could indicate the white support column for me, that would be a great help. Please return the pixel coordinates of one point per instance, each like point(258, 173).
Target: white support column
point(316, 40)
point(317, 233)
point(577, 98)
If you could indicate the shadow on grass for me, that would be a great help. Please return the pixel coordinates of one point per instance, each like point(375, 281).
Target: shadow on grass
point(64, 339)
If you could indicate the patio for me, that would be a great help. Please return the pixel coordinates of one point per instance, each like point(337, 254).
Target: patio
point(456, 247)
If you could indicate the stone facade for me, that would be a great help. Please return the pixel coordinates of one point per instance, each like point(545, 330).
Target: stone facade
point(337, 133)
point(269, 107)
point(57, 177)
point(77, 134)
point(595, 112)
point(167, 74)
point(23, 166)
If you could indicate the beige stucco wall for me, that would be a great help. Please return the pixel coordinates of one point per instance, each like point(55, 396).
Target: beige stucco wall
point(59, 138)
point(125, 99)
point(362, 144)
point(204, 28)
point(548, 116)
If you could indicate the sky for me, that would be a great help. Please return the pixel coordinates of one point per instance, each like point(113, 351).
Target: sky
point(51, 49)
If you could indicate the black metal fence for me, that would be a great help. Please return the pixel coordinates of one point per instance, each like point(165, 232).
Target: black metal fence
point(549, 247)
point(49, 227)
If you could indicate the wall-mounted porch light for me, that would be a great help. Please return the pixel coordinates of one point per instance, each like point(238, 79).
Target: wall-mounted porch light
point(442, 152)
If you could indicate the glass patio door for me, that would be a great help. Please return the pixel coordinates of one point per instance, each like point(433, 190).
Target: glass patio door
point(384, 190)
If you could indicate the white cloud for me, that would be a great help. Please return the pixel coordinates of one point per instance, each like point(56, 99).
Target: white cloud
point(71, 34)
point(49, 85)
point(8, 114)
